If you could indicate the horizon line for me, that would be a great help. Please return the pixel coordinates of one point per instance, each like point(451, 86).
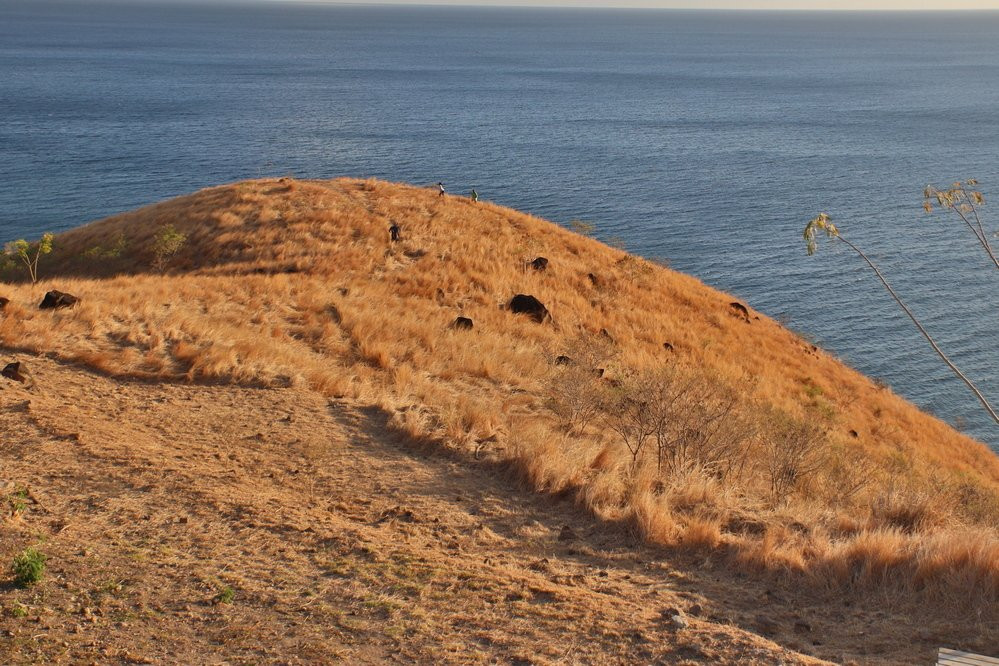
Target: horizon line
point(505, 4)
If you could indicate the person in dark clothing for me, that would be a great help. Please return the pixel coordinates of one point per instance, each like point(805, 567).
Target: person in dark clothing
point(394, 232)
point(475, 196)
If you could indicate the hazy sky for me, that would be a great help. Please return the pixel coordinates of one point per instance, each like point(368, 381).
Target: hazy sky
point(720, 4)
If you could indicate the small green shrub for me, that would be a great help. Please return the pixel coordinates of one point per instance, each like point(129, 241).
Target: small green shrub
point(28, 567)
point(18, 610)
point(225, 596)
point(166, 244)
point(29, 253)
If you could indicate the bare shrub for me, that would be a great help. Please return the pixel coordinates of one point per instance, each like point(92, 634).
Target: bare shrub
point(792, 451)
point(695, 422)
point(572, 390)
point(845, 478)
point(909, 509)
point(631, 415)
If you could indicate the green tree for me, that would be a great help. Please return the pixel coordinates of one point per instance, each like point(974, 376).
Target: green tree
point(29, 253)
point(167, 242)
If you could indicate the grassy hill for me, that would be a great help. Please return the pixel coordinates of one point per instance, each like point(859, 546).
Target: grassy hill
point(647, 400)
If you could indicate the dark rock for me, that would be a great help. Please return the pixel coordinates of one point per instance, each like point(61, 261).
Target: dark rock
point(594, 280)
point(3, 302)
point(696, 610)
point(563, 360)
point(739, 310)
point(57, 299)
point(14, 371)
point(854, 434)
point(540, 264)
point(668, 346)
point(462, 323)
point(530, 306)
point(599, 372)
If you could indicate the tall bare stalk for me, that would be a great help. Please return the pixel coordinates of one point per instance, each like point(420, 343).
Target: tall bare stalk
point(822, 223)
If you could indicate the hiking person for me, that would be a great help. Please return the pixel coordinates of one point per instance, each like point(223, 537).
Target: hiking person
point(475, 196)
point(394, 232)
point(441, 187)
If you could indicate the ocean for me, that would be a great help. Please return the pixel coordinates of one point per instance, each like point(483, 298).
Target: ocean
point(707, 139)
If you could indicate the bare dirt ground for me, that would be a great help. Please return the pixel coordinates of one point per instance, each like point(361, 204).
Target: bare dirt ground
point(341, 542)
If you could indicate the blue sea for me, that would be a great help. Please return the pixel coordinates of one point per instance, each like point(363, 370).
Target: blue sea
point(705, 138)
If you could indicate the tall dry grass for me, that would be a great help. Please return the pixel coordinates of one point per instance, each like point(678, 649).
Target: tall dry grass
point(296, 283)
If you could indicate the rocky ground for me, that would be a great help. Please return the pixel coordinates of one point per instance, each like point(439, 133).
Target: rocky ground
point(215, 524)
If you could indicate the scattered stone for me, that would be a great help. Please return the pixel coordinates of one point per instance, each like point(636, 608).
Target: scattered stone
point(15, 372)
point(530, 306)
point(56, 299)
point(675, 617)
point(462, 323)
point(567, 534)
point(739, 310)
point(563, 360)
point(540, 264)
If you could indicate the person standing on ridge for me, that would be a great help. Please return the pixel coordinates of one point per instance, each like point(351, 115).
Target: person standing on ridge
point(441, 187)
point(475, 196)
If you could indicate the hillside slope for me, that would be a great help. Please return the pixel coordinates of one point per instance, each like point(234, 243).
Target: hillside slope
point(293, 288)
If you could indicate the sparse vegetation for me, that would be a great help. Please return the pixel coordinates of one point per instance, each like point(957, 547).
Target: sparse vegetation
point(29, 253)
point(28, 567)
point(225, 595)
point(166, 243)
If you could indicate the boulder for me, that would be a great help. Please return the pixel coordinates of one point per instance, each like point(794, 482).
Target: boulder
point(462, 323)
point(540, 264)
point(15, 372)
point(563, 360)
point(739, 310)
point(530, 306)
point(3, 302)
point(57, 299)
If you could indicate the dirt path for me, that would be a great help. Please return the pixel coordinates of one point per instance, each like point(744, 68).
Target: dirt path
point(340, 543)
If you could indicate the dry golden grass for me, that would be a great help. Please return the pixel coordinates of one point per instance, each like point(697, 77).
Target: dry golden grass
point(295, 283)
